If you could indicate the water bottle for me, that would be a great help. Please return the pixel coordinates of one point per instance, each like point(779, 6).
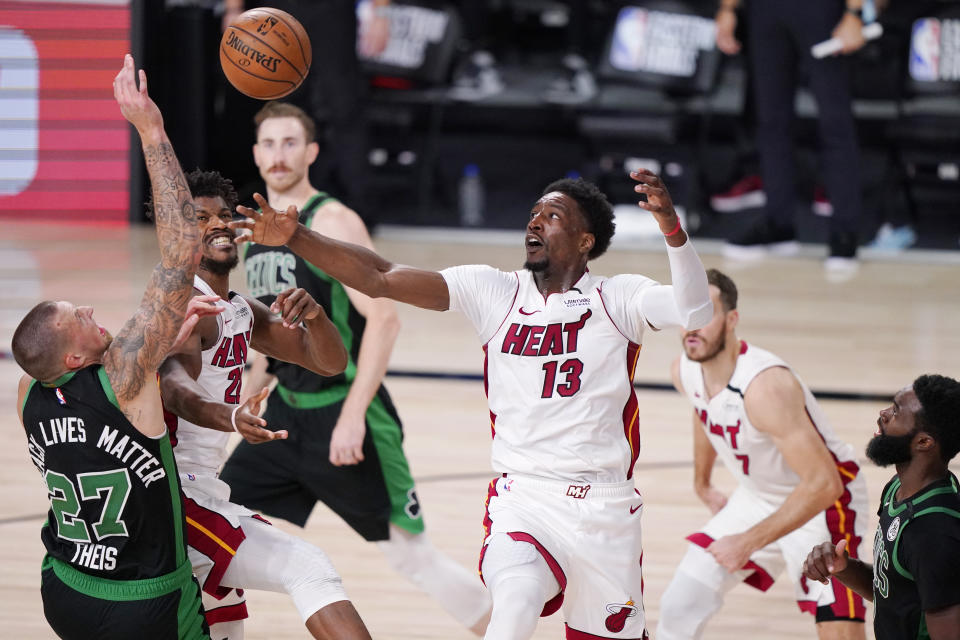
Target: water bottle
point(471, 197)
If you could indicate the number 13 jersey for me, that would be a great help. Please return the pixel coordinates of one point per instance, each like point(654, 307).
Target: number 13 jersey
point(558, 372)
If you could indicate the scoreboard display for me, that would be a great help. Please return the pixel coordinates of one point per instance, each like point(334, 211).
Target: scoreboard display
point(64, 146)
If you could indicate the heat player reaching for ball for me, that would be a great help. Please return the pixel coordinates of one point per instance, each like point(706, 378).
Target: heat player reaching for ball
point(798, 484)
point(230, 547)
point(563, 520)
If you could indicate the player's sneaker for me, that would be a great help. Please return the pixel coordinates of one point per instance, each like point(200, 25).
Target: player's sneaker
point(762, 239)
point(746, 193)
point(574, 85)
point(890, 238)
point(476, 78)
point(821, 204)
point(842, 262)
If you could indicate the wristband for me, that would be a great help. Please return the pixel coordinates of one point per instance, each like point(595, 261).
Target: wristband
point(233, 417)
point(675, 231)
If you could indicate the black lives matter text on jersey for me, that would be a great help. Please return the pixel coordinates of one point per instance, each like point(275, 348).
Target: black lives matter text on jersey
point(141, 462)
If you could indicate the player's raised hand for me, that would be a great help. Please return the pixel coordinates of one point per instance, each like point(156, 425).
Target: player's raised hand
point(249, 424)
point(658, 198)
point(825, 560)
point(295, 305)
point(267, 226)
point(135, 103)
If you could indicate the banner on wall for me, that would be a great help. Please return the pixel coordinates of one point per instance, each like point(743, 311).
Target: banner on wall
point(64, 146)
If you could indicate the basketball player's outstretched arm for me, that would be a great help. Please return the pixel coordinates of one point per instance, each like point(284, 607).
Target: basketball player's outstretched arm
point(296, 329)
point(132, 360)
point(685, 303)
point(355, 266)
point(775, 404)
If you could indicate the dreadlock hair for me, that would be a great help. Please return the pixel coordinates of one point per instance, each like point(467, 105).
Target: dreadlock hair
point(939, 398)
point(596, 210)
point(205, 184)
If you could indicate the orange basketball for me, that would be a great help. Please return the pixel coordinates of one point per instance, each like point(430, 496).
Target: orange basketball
point(265, 53)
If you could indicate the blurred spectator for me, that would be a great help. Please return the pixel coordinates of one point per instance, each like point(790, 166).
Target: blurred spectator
point(478, 75)
point(334, 90)
point(781, 35)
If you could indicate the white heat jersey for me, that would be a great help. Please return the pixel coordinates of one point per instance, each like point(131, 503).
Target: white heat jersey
point(750, 455)
point(200, 450)
point(558, 371)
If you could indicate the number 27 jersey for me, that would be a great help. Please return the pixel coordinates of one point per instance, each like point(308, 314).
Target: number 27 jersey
point(558, 371)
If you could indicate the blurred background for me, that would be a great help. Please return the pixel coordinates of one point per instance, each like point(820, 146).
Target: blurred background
point(442, 140)
point(500, 95)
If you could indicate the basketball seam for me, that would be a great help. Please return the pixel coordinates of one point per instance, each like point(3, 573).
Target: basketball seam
point(269, 97)
point(299, 43)
point(280, 55)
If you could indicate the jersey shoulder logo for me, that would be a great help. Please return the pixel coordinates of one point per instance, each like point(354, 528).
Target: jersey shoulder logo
point(893, 529)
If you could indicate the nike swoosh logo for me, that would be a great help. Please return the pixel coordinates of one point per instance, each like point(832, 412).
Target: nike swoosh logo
point(528, 313)
point(634, 509)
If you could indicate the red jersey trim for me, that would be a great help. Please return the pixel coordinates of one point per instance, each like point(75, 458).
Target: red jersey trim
point(758, 579)
point(574, 634)
point(212, 535)
point(227, 613)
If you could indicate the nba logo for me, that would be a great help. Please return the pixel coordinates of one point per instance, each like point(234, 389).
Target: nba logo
point(60, 397)
point(925, 50)
point(629, 47)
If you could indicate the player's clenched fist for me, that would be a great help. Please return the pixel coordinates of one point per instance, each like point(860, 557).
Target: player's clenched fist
point(825, 560)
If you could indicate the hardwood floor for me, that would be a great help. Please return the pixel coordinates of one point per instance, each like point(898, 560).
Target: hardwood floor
point(872, 334)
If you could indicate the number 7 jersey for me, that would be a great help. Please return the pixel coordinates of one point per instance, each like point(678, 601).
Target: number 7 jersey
point(749, 454)
point(558, 371)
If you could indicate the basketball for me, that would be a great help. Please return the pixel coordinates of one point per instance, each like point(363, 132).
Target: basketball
point(265, 53)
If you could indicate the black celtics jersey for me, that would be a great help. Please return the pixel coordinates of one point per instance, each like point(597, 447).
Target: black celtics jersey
point(115, 506)
point(272, 270)
point(916, 558)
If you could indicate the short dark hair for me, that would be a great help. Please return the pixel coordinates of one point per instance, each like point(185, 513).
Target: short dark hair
point(36, 347)
point(205, 184)
point(276, 109)
point(939, 398)
point(728, 290)
point(596, 209)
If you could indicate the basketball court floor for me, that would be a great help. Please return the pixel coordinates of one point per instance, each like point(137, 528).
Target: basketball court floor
point(854, 342)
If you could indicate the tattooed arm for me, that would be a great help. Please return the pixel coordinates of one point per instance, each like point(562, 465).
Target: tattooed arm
point(132, 360)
